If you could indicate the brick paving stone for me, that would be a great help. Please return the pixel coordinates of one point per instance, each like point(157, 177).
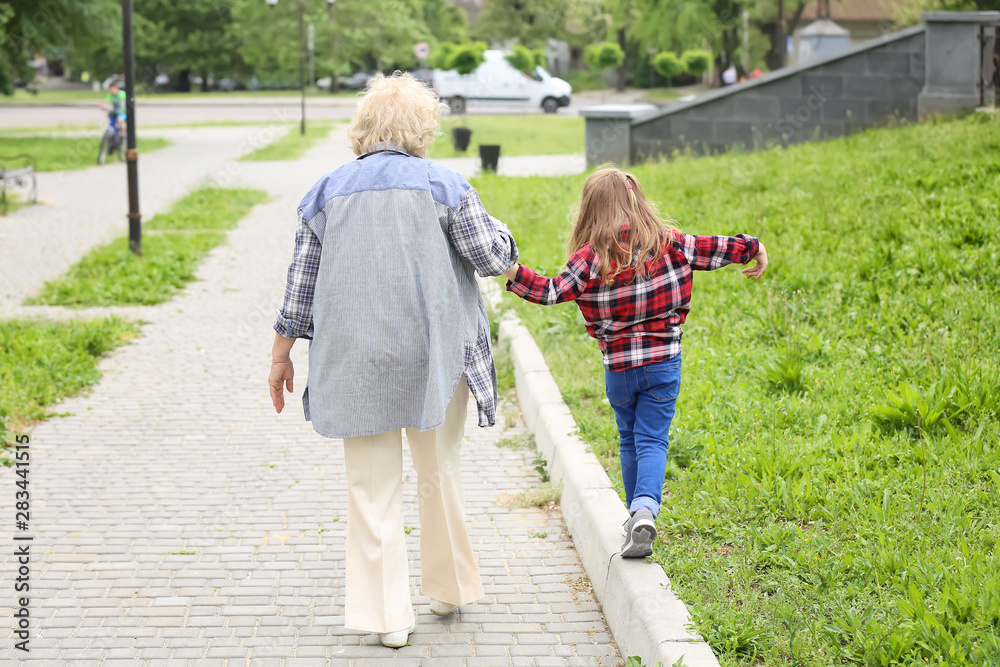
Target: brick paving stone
point(179, 450)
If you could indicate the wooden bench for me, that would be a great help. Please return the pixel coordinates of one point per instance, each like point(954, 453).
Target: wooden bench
point(17, 170)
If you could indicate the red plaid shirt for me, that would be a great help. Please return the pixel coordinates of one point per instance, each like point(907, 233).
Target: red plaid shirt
point(636, 323)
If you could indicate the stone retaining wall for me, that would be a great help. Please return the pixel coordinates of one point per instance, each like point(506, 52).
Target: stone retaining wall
point(868, 86)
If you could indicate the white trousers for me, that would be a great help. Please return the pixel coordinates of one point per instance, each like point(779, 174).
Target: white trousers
point(378, 585)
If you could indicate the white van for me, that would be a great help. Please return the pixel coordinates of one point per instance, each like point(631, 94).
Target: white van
point(497, 81)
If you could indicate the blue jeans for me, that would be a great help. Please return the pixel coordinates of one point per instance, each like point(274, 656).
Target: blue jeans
point(643, 399)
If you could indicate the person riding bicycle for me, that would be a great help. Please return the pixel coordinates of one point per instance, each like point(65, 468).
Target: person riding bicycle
point(114, 101)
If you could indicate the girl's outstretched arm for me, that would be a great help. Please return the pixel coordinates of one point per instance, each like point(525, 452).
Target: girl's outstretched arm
point(707, 253)
point(760, 265)
point(567, 286)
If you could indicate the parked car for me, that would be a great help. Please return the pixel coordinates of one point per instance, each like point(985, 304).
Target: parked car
point(496, 81)
point(356, 81)
point(227, 84)
point(423, 74)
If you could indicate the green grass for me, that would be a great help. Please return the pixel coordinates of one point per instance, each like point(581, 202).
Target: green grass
point(208, 209)
point(46, 129)
point(517, 135)
point(294, 145)
point(67, 153)
point(111, 275)
point(41, 363)
point(14, 202)
point(805, 520)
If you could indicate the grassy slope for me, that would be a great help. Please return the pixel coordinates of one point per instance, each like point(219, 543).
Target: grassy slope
point(111, 275)
point(796, 522)
point(294, 144)
point(66, 153)
point(517, 135)
point(41, 363)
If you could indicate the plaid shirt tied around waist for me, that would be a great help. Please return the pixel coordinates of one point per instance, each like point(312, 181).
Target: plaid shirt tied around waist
point(636, 322)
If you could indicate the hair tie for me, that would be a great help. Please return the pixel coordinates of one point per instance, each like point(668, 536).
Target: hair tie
point(628, 185)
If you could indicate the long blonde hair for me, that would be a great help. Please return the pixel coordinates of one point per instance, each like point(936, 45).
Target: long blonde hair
point(612, 200)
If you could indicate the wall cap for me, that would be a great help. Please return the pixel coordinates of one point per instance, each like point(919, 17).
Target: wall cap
point(784, 73)
point(629, 111)
point(960, 17)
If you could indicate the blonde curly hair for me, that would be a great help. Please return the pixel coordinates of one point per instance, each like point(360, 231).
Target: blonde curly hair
point(396, 108)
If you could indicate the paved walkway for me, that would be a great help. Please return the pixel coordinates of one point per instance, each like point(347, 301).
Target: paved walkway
point(178, 520)
point(88, 207)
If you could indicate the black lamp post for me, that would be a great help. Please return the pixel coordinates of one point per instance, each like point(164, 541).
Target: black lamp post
point(131, 154)
point(302, 55)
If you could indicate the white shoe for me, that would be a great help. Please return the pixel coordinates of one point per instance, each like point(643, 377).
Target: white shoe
point(439, 608)
point(399, 638)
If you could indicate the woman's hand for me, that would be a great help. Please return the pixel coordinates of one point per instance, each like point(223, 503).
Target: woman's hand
point(760, 266)
point(281, 374)
point(281, 370)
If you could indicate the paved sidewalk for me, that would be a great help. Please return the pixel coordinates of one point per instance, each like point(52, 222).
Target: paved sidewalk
point(88, 207)
point(521, 165)
point(178, 520)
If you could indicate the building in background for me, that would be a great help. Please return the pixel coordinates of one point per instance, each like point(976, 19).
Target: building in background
point(858, 21)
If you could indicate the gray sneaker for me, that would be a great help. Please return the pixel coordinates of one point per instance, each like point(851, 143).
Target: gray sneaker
point(640, 532)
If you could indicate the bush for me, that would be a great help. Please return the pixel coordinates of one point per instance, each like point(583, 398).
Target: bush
point(697, 61)
point(606, 55)
point(668, 64)
point(441, 56)
point(466, 58)
point(540, 59)
point(522, 59)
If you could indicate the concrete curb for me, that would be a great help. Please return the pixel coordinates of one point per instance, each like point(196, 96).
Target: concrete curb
point(645, 617)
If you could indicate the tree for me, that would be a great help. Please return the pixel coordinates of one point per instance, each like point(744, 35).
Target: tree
point(446, 22)
point(522, 59)
point(697, 61)
point(529, 22)
point(441, 55)
point(186, 35)
point(466, 58)
point(606, 55)
point(668, 65)
point(350, 34)
point(28, 27)
point(623, 15)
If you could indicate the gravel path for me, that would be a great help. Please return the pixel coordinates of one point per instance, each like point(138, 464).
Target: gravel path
point(177, 520)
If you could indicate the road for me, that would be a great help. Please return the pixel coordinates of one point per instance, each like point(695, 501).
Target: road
point(249, 109)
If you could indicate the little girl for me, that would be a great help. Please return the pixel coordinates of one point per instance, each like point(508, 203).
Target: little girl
point(630, 274)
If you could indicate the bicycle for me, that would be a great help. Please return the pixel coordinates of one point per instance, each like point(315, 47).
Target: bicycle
point(112, 141)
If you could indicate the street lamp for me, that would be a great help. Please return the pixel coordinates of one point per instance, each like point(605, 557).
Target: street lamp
point(131, 154)
point(302, 55)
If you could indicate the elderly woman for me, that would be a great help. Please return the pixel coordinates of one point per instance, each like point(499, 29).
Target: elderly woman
point(382, 282)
